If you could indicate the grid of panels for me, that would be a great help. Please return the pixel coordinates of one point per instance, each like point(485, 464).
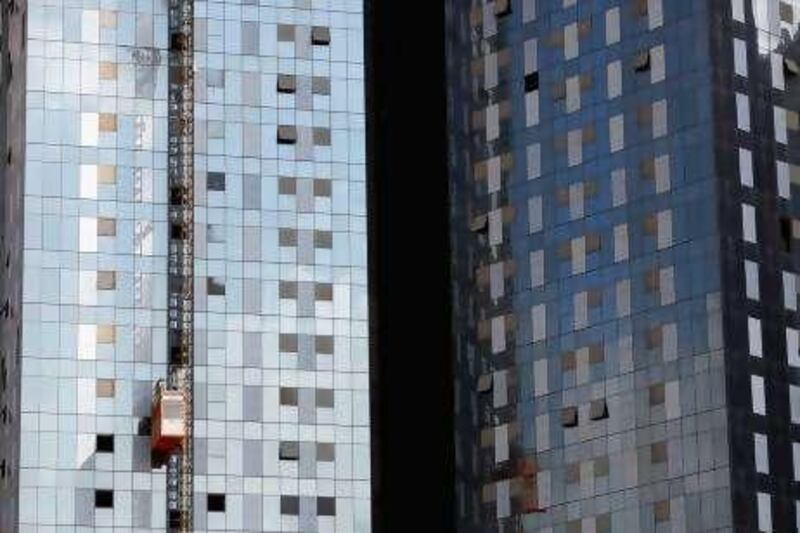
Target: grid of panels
point(591, 363)
point(94, 264)
point(281, 395)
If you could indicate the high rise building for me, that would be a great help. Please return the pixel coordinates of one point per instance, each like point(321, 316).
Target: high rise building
point(184, 336)
point(625, 240)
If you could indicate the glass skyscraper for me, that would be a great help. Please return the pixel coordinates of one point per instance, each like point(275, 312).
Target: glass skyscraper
point(230, 136)
point(624, 226)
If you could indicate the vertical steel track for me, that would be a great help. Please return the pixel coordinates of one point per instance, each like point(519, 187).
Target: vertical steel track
point(180, 166)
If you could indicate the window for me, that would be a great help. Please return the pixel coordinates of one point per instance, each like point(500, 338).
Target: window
point(104, 499)
point(786, 234)
point(751, 280)
point(285, 33)
point(322, 136)
point(658, 64)
point(104, 388)
point(570, 41)
point(641, 61)
point(537, 268)
point(749, 223)
point(754, 336)
point(106, 280)
point(614, 79)
point(569, 417)
point(326, 506)
point(287, 342)
point(539, 319)
point(598, 410)
point(661, 511)
point(790, 290)
point(288, 394)
point(215, 78)
point(528, 10)
point(290, 505)
point(106, 334)
point(742, 112)
point(108, 70)
point(532, 82)
point(287, 237)
point(287, 83)
point(761, 453)
point(575, 147)
point(534, 214)
point(106, 227)
point(107, 122)
point(757, 395)
point(215, 286)
point(612, 26)
point(323, 344)
point(326, 452)
point(784, 179)
point(781, 119)
point(215, 233)
point(572, 93)
point(105, 444)
point(502, 7)
point(740, 57)
point(737, 7)
point(250, 38)
point(215, 503)
point(324, 397)
point(320, 35)
point(289, 451)
point(764, 502)
point(323, 292)
point(215, 181)
point(659, 119)
point(778, 71)
point(287, 134)
point(658, 452)
point(320, 85)
point(796, 460)
point(657, 394)
point(794, 403)
point(616, 133)
point(745, 167)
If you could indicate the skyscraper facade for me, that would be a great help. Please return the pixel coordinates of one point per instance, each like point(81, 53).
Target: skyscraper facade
point(625, 264)
point(184, 213)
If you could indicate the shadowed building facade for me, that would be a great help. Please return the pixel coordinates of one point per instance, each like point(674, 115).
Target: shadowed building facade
point(625, 282)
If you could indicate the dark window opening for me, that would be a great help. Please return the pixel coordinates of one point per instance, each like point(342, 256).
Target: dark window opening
point(324, 397)
point(287, 134)
point(786, 234)
point(287, 83)
point(598, 410)
point(290, 505)
point(569, 417)
point(502, 8)
point(105, 444)
point(531, 82)
point(215, 286)
point(289, 451)
point(326, 506)
point(104, 499)
point(288, 396)
point(642, 61)
point(216, 181)
point(143, 429)
point(216, 503)
point(320, 35)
